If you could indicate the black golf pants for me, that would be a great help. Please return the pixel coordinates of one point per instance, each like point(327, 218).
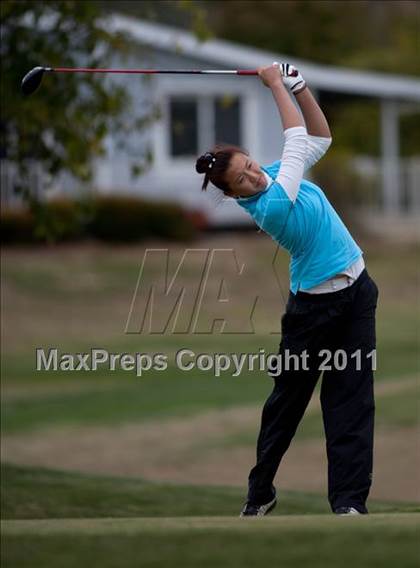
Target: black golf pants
point(343, 324)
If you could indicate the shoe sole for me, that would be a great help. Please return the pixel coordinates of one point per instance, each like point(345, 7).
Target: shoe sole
point(269, 509)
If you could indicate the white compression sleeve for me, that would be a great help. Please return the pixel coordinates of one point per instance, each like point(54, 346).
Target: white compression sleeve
point(315, 148)
point(293, 160)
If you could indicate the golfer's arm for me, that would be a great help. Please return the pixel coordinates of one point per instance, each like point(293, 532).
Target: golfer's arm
point(295, 142)
point(316, 123)
point(290, 116)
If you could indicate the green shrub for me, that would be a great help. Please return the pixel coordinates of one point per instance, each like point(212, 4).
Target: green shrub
point(171, 222)
point(108, 218)
point(60, 219)
point(119, 219)
point(54, 221)
point(125, 219)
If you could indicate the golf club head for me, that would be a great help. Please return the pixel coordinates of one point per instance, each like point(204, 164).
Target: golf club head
point(32, 80)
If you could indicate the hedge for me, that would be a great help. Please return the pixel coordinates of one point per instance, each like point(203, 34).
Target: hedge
point(107, 218)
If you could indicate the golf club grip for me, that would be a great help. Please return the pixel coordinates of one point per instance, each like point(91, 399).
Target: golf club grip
point(247, 72)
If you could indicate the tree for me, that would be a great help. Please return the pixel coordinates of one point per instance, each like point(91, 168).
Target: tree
point(64, 124)
point(364, 34)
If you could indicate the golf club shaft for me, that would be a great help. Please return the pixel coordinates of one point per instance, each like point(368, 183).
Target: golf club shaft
point(33, 78)
point(154, 71)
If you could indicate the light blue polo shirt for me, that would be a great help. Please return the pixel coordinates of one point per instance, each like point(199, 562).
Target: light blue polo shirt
point(310, 229)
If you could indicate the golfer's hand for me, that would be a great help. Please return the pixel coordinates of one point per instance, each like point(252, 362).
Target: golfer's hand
point(270, 75)
point(292, 79)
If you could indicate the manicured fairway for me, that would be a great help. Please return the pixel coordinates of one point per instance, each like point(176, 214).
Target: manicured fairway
point(62, 520)
point(38, 494)
point(383, 540)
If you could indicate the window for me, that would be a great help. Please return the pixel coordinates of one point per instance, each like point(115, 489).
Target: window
point(226, 113)
point(183, 127)
point(198, 122)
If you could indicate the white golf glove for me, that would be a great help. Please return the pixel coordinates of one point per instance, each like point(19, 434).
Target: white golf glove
point(292, 79)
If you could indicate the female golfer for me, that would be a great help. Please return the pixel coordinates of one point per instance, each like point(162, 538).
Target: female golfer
point(330, 314)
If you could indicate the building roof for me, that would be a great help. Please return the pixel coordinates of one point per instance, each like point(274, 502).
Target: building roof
point(227, 55)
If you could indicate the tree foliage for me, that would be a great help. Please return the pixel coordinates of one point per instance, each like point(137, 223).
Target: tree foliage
point(63, 125)
point(366, 34)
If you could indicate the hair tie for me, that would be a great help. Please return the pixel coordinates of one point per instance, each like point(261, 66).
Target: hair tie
point(205, 163)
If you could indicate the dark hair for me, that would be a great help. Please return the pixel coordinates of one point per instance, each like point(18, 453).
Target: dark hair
point(215, 164)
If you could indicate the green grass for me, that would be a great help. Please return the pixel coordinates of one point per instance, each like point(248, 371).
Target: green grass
point(171, 395)
point(397, 410)
point(85, 520)
point(78, 297)
point(36, 493)
point(382, 541)
point(20, 366)
point(159, 395)
point(40, 493)
point(175, 394)
point(398, 339)
point(398, 345)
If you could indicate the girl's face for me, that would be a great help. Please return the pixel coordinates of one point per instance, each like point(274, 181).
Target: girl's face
point(244, 176)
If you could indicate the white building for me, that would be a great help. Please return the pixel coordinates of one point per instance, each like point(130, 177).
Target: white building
point(197, 111)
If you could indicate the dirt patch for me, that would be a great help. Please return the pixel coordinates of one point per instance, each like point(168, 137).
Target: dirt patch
point(169, 456)
point(190, 450)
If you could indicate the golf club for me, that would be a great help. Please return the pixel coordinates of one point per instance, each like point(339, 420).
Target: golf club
point(32, 80)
